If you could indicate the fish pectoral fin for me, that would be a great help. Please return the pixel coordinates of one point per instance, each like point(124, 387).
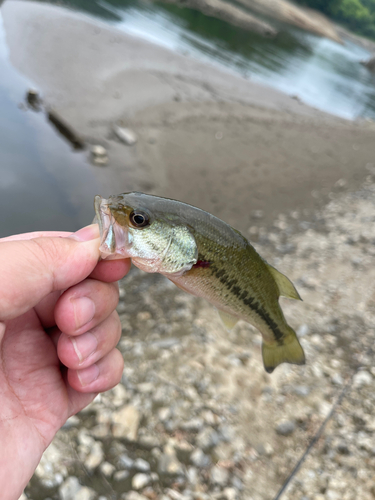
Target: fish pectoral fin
point(228, 320)
point(289, 352)
point(285, 286)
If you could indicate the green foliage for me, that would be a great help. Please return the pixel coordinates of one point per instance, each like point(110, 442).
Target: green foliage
point(358, 15)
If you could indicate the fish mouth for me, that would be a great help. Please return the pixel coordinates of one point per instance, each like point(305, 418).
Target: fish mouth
point(114, 240)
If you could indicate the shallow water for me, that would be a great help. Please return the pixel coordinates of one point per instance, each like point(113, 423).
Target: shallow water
point(44, 184)
point(38, 170)
point(322, 73)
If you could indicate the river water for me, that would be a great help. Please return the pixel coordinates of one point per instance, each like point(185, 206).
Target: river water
point(39, 171)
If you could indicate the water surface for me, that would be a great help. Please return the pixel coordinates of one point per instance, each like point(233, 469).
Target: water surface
point(44, 184)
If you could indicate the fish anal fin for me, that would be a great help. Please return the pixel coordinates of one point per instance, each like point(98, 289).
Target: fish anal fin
point(228, 320)
point(289, 352)
point(285, 286)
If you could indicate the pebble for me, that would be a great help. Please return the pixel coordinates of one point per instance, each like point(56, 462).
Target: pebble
point(219, 476)
point(362, 378)
point(72, 490)
point(126, 423)
point(140, 481)
point(125, 135)
point(200, 459)
point(107, 469)
point(285, 427)
point(141, 465)
point(169, 465)
point(99, 155)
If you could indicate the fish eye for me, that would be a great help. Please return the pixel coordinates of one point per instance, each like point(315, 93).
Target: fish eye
point(139, 219)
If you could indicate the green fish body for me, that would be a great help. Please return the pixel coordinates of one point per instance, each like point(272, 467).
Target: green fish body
point(206, 257)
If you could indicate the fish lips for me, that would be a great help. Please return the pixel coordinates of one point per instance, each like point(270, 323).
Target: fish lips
point(114, 239)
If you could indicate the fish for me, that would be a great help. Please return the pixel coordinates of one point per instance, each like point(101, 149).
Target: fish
point(206, 257)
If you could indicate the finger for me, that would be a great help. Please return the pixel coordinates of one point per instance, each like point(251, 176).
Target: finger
point(31, 269)
point(84, 350)
point(45, 309)
point(85, 305)
point(100, 376)
point(111, 270)
point(36, 234)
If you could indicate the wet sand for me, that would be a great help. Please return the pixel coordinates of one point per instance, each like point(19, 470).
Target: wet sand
point(205, 136)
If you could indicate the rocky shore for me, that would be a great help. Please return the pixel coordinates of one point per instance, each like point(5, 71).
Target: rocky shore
point(197, 417)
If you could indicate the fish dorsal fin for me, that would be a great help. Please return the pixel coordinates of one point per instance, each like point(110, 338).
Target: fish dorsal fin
point(228, 320)
point(285, 286)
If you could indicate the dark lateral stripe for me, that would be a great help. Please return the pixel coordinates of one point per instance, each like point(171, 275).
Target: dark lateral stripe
point(232, 286)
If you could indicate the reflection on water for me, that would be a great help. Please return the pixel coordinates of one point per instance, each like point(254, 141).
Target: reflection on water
point(43, 185)
point(319, 71)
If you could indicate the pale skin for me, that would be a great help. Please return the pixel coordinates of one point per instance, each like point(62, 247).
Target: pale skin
point(58, 335)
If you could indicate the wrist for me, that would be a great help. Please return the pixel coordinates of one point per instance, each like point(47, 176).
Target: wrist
point(20, 453)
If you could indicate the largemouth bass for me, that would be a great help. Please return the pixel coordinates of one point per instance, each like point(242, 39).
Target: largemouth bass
point(206, 257)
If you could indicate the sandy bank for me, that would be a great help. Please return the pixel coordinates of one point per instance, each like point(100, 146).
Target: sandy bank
point(205, 136)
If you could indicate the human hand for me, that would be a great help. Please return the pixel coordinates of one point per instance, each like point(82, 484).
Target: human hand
point(58, 332)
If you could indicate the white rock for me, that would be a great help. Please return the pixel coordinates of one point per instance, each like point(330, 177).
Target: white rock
point(125, 423)
point(69, 489)
point(95, 457)
point(140, 481)
point(219, 476)
point(362, 378)
point(98, 151)
point(125, 135)
point(141, 465)
point(107, 469)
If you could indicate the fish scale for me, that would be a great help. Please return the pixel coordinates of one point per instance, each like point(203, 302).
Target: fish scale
point(206, 257)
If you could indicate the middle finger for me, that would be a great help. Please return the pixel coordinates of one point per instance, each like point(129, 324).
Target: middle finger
point(85, 306)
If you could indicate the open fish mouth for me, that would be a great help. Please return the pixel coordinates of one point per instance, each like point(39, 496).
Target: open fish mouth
point(113, 238)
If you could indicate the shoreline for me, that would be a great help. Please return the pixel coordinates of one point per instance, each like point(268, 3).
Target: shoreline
point(197, 126)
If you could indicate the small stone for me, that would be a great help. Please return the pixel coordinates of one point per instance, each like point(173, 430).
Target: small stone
point(125, 423)
point(362, 378)
point(148, 442)
point(193, 425)
point(342, 448)
point(125, 135)
point(183, 451)
point(98, 151)
point(140, 481)
point(230, 493)
point(125, 462)
point(169, 465)
point(219, 476)
point(95, 457)
point(133, 495)
point(69, 489)
point(207, 439)
point(121, 475)
point(285, 428)
point(200, 459)
point(164, 414)
point(107, 469)
point(141, 465)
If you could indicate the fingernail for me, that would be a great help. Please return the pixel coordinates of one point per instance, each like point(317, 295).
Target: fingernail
point(84, 345)
point(84, 311)
point(86, 233)
point(88, 375)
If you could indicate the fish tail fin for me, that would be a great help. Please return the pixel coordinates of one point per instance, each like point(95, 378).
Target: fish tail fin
point(290, 351)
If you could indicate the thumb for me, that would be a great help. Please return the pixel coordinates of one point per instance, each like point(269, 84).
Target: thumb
point(32, 268)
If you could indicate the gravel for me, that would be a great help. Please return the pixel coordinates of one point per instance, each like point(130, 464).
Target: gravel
point(196, 417)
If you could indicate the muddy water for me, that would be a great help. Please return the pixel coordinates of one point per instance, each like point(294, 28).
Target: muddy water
point(44, 184)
